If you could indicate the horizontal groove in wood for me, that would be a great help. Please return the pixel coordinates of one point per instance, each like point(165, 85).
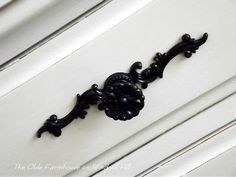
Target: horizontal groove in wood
point(162, 126)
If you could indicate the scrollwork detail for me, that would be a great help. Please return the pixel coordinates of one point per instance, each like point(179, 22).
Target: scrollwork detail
point(121, 96)
point(187, 46)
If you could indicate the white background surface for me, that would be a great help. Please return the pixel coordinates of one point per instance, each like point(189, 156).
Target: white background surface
point(66, 43)
point(4, 3)
point(174, 145)
point(222, 165)
point(27, 22)
point(206, 151)
point(156, 27)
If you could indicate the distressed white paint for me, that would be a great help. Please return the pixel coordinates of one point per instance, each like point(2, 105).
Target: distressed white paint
point(160, 127)
point(27, 22)
point(63, 45)
point(160, 153)
point(222, 165)
point(200, 155)
point(139, 37)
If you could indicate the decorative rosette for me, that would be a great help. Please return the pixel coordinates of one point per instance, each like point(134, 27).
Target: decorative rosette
point(121, 100)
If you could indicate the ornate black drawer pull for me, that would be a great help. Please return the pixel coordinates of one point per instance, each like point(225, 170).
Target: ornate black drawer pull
point(121, 97)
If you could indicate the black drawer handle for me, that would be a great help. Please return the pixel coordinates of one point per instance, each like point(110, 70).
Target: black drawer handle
point(121, 97)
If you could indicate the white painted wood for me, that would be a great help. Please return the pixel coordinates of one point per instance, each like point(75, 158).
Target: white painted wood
point(161, 152)
point(24, 109)
point(222, 165)
point(15, 17)
point(3, 3)
point(63, 45)
point(160, 127)
point(22, 28)
point(199, 155)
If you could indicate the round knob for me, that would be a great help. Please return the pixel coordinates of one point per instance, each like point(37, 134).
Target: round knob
point(122, 99)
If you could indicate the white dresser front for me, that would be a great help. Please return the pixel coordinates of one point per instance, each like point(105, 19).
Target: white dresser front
point(188, 87)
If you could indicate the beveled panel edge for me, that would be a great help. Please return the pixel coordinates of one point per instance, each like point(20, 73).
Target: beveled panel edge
point(79, 34)
point(165, 124)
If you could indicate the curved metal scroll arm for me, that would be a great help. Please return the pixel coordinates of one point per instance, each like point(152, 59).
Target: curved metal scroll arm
point(54, 125)
point(121, 97)
point(187, 47)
